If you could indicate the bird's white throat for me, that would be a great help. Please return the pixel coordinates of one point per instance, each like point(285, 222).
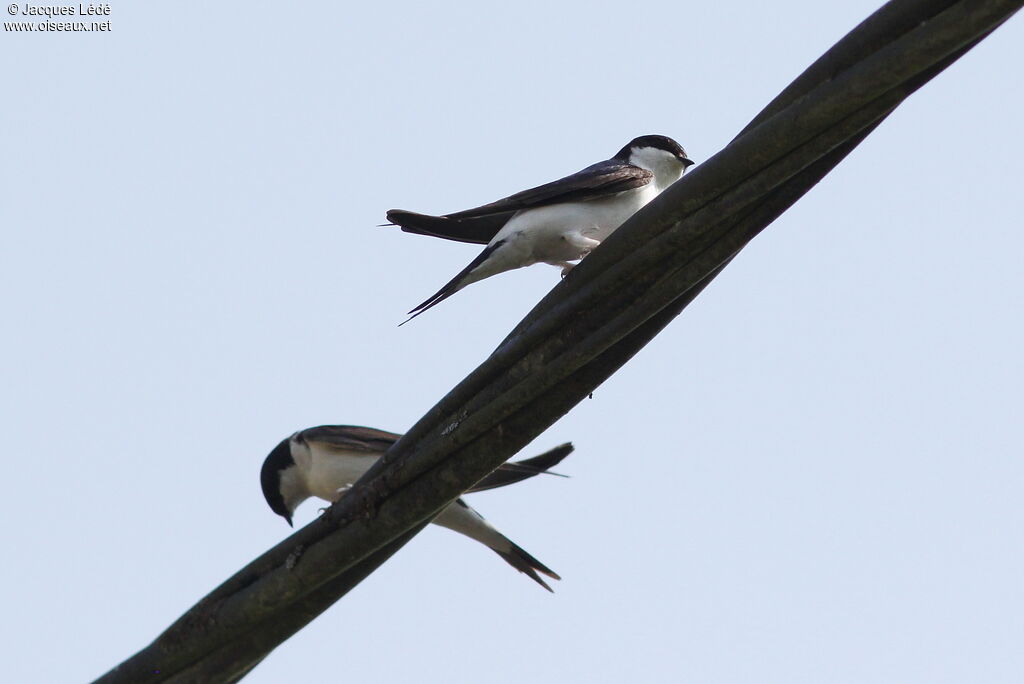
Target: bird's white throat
point(665, 166)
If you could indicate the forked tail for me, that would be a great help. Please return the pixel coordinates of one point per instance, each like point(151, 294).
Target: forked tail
point(455, 284)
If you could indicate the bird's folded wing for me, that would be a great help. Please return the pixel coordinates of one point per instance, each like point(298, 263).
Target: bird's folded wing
point(356, 438)
point(351, 437)
point(479, 230)
point(482, 223)
point(510, 473)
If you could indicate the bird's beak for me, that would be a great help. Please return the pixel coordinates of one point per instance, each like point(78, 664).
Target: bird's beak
point(687, 163)
point(289, 519)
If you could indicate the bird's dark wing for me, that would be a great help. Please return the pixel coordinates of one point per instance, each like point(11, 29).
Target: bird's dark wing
point(517, 471)
point(476, 230)
point(482, 223)
point(598, 180)
point(351, 437)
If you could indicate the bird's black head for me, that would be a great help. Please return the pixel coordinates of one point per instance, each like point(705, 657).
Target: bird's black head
point(270, 478)
point(657, 142)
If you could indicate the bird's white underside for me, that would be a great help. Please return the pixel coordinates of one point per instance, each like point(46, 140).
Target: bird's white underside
point(327, 473)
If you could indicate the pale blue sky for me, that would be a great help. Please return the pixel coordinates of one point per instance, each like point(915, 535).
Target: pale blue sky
point(191, 271)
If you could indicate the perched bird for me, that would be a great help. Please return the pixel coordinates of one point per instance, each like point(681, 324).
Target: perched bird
point(325, 461)
point(555, 223)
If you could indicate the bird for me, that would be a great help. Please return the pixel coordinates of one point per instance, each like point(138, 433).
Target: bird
point(325, 461)
point(555, 223)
